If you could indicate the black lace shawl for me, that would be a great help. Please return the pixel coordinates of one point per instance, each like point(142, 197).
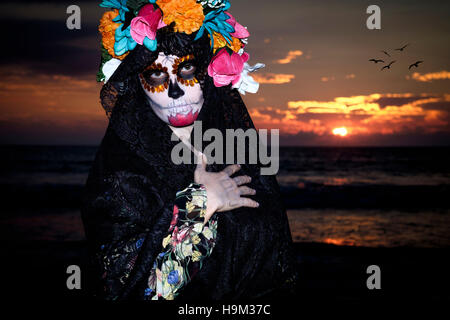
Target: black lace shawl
point(132, 184)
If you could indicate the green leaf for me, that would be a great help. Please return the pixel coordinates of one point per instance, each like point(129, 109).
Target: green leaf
point(100, 76)
point(135, 5)
point(105, 56)
point(229, 50)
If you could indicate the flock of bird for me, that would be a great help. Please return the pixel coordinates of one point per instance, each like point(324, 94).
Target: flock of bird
point(388, 66)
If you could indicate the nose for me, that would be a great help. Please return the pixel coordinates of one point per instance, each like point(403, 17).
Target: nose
point(175, 91)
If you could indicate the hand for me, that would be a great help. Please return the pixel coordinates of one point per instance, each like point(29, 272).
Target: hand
point(224, 193)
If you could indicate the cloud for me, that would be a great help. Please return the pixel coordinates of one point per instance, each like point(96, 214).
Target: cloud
point(369, 104)
point(326, 79)
point(374, 114)
point(56, 11)
point(17, 80)
point(331, 78)
point(428, 77)
point(273, 78)
point(49, 108)
point(273, 118)
point(27, 95)
point(290, 56)
point(60, 51)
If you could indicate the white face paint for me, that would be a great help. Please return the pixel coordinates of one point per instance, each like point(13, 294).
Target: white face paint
point(175, 98)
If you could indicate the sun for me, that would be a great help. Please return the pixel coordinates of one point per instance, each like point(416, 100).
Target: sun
point(342, 131)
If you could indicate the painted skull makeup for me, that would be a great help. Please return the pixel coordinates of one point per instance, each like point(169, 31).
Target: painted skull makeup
point(173, 90)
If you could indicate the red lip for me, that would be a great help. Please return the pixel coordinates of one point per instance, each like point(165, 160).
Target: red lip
point(182, 120)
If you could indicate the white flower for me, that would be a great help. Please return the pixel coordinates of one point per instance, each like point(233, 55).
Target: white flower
point(246, 83)
point(212, 3)
point(184, 250)
point(207, 233)
point(198, 227)
point(110, 67)
point(245, 40)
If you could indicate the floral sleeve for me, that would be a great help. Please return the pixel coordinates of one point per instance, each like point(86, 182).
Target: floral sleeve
point(188, 243)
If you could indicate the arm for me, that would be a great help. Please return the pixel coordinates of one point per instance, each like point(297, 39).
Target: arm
point(125, 222)
point(189, 242)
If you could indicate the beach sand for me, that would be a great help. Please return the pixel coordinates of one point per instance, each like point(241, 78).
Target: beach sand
point(39, 248)
point(37, 270)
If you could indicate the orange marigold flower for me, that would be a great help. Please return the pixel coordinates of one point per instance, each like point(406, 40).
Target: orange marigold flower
point(107, 28)
point(187, 14)
point(220, 42)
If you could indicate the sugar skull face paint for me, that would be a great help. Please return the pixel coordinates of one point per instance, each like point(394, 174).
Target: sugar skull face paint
point(173, 91)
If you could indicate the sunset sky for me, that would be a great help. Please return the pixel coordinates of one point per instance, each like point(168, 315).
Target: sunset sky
point(317, 76)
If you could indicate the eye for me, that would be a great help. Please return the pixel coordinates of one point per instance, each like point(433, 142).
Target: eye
point(157, 74)
point(155, 77)
point(187, 70)
point(188, 67)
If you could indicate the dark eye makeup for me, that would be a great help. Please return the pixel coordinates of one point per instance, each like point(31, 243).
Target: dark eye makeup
point(186, 70)
point(155, 77)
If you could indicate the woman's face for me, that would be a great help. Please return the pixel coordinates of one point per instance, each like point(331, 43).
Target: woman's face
point(174, 93)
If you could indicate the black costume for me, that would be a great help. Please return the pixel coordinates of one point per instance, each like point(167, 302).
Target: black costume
point(130, 194)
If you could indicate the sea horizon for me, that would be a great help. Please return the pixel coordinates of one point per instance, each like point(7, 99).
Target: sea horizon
point(349, 196)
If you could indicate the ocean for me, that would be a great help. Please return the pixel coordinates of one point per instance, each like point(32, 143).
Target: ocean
point(362, 196)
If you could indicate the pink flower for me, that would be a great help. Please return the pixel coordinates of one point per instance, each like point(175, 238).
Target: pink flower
point(182, 234)
point(174, 237)
point(174, 218)
point(178, 235)
point(239, 31)
point(146, 23)
point(225, 68)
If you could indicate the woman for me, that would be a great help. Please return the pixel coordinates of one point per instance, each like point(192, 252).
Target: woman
point(160, 230)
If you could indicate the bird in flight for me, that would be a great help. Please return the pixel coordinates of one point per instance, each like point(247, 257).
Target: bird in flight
point(386, 53)
point(415, 64)
point(376, 60)
point(388, 66)
point(402, 48)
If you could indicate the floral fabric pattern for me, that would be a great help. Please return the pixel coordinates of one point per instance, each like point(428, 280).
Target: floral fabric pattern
point(188, 243)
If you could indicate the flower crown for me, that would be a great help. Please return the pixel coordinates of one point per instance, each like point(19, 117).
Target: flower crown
point(227, 37)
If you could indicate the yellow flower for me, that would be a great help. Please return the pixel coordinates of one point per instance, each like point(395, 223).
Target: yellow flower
point(187, 14)
point(189, 206)
point(196, 255)
point(220, 42)
point(202, 213)
point(198, 200)
point(195, 239)
point(107, 28)
point(170, 297)
point(166, 240)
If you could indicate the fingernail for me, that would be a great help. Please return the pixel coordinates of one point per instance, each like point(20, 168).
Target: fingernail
point(257, 204)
